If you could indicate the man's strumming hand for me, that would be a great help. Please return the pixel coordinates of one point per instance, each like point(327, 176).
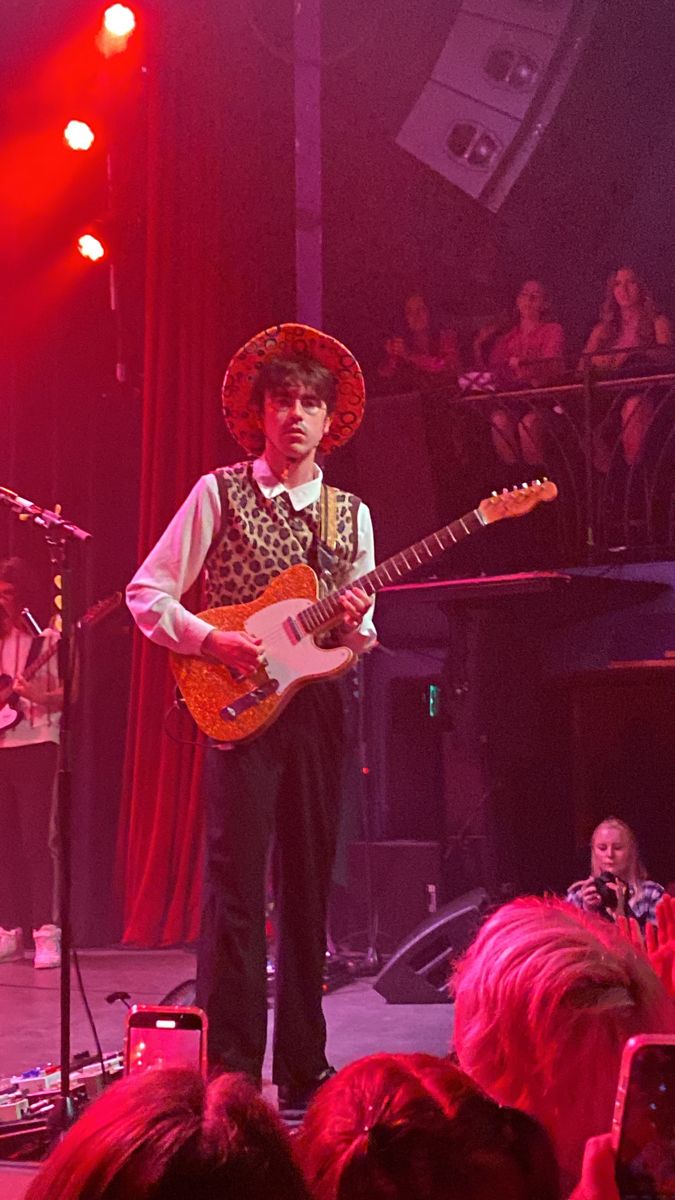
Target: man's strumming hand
point(239, 651)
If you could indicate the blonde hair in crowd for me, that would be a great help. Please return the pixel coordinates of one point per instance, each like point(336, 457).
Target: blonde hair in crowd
point(545, 999)
point(636, 871)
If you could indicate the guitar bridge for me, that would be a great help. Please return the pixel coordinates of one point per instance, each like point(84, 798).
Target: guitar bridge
point(249, 700)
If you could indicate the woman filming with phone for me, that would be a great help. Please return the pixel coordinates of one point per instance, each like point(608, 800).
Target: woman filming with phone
point(617, 885)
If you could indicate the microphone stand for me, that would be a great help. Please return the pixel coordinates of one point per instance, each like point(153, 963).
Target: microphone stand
point(372, 959)
point(60, 536)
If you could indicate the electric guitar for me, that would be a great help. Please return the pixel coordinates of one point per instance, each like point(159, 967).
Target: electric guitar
point(287, 616)
point(10, 713)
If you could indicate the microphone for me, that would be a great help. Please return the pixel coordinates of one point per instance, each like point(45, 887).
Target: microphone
point(20, 503)
point(41, 516)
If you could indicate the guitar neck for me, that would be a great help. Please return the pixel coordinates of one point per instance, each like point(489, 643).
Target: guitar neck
point(91, 617)
point(325, 612)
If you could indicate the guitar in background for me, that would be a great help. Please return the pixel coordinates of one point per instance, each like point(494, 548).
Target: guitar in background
point(10, 712)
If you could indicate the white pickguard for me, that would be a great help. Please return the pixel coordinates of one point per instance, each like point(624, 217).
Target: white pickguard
point(8, 717)
point(289, 661)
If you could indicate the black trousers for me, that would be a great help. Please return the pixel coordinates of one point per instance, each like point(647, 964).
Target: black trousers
point(27, 862)
point(286, 783)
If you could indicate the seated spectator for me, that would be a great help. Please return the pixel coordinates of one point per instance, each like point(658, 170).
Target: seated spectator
point(424, 353)
point(614, 851)
point(530, 352)
point(545, 999)
point(627, 339)
point(414, 1127)
point(165, 1135)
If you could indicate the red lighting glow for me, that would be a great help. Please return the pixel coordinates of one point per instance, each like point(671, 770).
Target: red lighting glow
point(119, 21)
point(90, 247)
point(78, 135)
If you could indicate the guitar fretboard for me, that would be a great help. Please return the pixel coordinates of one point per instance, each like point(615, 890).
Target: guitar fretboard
point(324, 612)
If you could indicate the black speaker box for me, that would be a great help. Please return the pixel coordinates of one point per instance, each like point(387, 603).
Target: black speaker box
point(404, 880)
point(418, 972)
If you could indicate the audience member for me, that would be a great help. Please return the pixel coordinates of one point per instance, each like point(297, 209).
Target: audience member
point(530, 352)
point(166, 1135)
point(414, 1127)
point(627, 339)
point(545, 999)
point(626, 891)
point(423, 353)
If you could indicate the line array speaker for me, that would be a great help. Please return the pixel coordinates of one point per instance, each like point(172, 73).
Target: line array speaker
point(494, 90)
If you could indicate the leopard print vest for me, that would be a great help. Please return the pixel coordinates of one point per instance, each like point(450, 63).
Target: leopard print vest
point(259, 537)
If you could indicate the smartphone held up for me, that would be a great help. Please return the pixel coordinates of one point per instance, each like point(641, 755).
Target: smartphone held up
point(643, 1130)
point(165, 1036)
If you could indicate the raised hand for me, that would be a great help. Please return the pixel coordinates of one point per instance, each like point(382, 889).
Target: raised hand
point(630, 929)
point(660, 943)
point(597, 1173)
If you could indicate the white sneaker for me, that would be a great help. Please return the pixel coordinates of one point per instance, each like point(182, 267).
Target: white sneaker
point(47, 946)
point(11, 944)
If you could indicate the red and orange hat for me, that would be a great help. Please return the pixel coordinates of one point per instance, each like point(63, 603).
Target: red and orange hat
point(242, 417)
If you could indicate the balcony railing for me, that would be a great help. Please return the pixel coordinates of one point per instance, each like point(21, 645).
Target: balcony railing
point(608, 443)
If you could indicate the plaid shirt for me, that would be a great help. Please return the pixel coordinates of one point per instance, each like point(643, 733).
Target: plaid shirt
point(642, 906)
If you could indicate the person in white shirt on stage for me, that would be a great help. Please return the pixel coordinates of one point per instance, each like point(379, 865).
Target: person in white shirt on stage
point(289, 393)
point(29, 738)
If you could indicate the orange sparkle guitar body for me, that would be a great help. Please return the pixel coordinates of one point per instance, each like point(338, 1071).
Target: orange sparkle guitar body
point(209, 688)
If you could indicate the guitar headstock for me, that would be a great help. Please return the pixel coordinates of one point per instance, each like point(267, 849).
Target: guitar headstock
point(518, 501)
point(101, 609)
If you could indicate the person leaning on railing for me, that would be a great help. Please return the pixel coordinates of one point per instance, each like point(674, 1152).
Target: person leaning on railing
point(529, 352)
point(629, 339)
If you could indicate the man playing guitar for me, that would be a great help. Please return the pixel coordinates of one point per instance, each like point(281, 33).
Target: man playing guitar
point(288, 393)
point(29, 736)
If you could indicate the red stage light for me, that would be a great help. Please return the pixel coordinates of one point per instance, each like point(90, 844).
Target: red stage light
point(119, 21)
point(78, 135)
point(90, 247)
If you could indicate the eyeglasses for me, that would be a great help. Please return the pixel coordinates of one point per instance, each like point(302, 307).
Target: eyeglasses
point(281, 401)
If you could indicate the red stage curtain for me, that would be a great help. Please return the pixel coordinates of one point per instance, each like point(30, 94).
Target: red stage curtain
point(219, 268)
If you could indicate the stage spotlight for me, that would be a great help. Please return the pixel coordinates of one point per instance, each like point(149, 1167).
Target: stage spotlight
point(119, 21)
point(78, 135)
point(118, 25)
point(90, 247)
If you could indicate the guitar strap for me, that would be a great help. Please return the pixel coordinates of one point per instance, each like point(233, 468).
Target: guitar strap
point(328, 516)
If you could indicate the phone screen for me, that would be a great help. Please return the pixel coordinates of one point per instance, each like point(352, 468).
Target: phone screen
point(164, 1039)
point(645, 1166)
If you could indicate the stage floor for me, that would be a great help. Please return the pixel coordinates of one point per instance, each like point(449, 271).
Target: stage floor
point(359, 1020)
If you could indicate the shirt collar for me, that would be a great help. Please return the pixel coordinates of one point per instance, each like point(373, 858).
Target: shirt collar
point(300, 497)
